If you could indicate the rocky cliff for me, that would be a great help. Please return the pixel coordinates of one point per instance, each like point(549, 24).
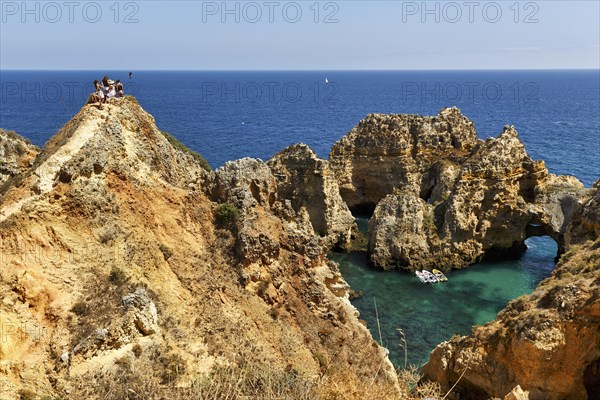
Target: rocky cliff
point(548, 341)
point(130, 270)
point(123, 257)
point(385, 152)
point(16, 155)
point(312, 190)
point(443, 198)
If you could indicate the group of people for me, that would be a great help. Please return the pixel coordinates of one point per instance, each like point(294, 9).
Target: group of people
point(105, 90)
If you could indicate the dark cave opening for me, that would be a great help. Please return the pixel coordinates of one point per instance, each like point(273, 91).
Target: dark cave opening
point(363, 210)
point(591, 380)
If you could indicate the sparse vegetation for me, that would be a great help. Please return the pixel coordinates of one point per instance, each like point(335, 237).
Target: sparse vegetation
point(117, 276)
point(173, 366)
point(429, 218)
point(106, 236)
point(81, 309)
point(226, 215)
point(137, 350)
point(322, 359)
point(251, 382)
point(26, 394)
point(130, 98)
point(167, 252)
point(181, 147)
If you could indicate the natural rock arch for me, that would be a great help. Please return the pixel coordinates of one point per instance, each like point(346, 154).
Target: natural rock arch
point(441, 198)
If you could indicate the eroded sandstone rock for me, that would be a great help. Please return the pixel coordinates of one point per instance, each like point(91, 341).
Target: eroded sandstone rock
point(485, 206)
point(548, 342)
point(308, 182)
point(384, 152)
point(16, 155)
point(110, 205)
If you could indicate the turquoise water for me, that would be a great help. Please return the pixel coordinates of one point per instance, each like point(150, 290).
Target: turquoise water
point(430, 314)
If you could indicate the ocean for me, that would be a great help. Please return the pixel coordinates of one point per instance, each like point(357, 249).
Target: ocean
point(229, 115)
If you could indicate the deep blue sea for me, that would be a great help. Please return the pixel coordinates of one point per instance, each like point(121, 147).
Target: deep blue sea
point(228, 115)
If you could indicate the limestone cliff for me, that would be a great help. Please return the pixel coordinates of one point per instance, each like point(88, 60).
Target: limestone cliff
point(444, 199)
point(310, 186)
point(549, 341)
point(121, 254)
point(384, 152)
point(16, 155)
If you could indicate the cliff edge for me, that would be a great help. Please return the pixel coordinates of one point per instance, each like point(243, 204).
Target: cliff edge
point(548, 341)
point(126, 262)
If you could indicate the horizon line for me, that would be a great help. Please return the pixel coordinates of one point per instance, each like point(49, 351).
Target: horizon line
point(304, 70)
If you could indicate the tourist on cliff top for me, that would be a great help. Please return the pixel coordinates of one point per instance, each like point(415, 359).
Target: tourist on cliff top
point(119, 89)
point(99, 91)
point(111, 92)
point(98, 97)
point(97, 85)
point(106, 81)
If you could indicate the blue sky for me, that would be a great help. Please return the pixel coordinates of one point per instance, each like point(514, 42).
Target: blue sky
point(341, 35)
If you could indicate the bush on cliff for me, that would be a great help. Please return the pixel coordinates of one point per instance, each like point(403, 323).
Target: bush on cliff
point(226, 215)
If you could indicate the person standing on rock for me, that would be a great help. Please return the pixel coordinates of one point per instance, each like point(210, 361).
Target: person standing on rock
point(119, 88)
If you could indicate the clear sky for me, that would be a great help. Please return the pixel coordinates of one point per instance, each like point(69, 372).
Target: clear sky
point(265, 34)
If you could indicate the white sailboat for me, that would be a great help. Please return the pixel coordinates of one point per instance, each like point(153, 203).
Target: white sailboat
point(326, 80)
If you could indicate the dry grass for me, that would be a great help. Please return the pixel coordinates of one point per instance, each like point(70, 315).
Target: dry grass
point(256, 383)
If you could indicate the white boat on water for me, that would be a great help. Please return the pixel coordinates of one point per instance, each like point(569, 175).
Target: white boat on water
point(431, 278)
point(426, 276)
point(439, 275)
point(421, 276)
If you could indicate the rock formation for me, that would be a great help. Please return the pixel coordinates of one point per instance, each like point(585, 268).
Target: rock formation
point(310, 186)
point(548, 342)
point(121, 254)
point(384, 152)
point(16, 155)
point(441, 197)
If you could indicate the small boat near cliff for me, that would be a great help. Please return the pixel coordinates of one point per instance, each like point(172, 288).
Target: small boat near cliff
point(421, 276)
point(426, 276)
point(439, 275)
point(431, 278)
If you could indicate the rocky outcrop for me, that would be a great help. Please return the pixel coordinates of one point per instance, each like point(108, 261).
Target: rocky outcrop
point(384, 152)
point(310, 186)
point(143, 311)
point(400, 231)
point(486, 206)
point(16, 155)
point(109, 207)
point(547, 342)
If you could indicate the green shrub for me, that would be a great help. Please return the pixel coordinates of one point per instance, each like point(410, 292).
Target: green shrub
point(181, 147)
point(226, 216)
